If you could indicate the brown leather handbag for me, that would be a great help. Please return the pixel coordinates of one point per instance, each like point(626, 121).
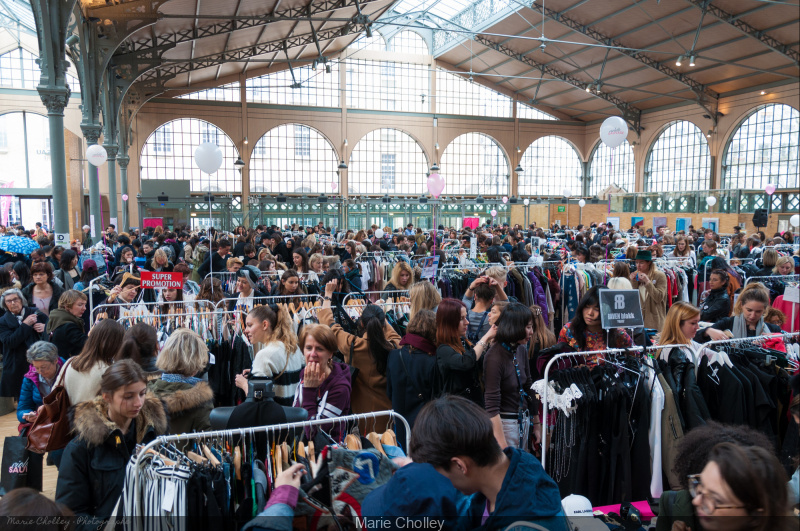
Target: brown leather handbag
point(51, 430)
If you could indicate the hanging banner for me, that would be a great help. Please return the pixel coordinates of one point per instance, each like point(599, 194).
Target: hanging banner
point(429, 267)
point(471, 223)
point(5, 203)
point(620, 308)
point(152, 222)
point(153, 279)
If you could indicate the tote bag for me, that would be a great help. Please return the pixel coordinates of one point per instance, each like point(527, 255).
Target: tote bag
point(21, 467)
point(51, 430)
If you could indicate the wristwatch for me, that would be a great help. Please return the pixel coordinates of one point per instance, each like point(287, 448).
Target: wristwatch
point(326, 298)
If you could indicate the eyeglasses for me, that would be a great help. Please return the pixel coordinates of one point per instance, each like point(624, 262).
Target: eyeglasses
point(706, 502)
point(15, 300)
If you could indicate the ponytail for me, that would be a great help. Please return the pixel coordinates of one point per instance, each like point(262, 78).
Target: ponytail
point(280, 323)
point(372, 321)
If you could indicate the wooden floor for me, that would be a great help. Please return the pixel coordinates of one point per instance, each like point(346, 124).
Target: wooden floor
point(8, 428)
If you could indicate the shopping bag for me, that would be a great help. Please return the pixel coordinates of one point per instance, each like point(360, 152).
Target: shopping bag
point(21, 467)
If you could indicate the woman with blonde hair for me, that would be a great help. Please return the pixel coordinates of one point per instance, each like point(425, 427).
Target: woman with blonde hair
point(160, 261)
point(423, 297)
point(402, 277)
point(189, 399)
point(280, 358)
point(784, 266)
point(680, 327)
point(747, 319)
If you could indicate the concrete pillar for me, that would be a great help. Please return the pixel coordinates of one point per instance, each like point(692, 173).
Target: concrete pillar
point(91, 133)
point(55, 100)
point(112, 150)
point(123, 161)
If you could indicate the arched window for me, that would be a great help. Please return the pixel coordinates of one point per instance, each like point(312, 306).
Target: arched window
point(679, 160)
point(764, 149)
point(409, 42)
point(169, 154)
point(25, 150)
point(612, 166)
point(376, 43)
point(294, 159)
point(387, 86)
point(474, 164)
point(387, 161)
point(551, 165)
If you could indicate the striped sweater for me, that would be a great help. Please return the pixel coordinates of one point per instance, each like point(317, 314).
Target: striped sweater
point(271, 361)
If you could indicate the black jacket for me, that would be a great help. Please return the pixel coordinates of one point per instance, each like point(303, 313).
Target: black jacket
point(220, 265)
point(460, 372)
point(281, 252)
point(92, 471)
point(27, 291)
point(66, 333)
point(16, 338)
point(716, 306)
point(688, 394)
point(727, 324)
point(412, 378)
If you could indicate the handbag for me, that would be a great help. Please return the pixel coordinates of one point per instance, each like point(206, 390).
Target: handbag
point(51, 429)
point(21, 467)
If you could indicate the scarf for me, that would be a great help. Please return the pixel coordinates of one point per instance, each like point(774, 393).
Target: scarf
point(740, 327)
point(419, 343)
point(60, 317)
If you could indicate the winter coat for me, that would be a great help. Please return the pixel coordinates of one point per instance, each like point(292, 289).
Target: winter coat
point(281, 252)
point(16, 338)
point(460, 372)
point(92, 471)
point(66, 332)
point(187, 405)
point(369, 388)
point(716, 306)
point(680, 375)
point(27, 292)
point(654, 307)
point(30, 398)
point(527, 493)
point(220, 265)
point(412, 378)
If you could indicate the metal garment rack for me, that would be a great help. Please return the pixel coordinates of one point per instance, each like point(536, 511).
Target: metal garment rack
point(756, 339)
point(242, 432)
point(154, 308)
point(364, 295)
point(91, 288)
point(314, 298)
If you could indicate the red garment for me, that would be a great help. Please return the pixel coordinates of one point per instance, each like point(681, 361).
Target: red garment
point(786, 308)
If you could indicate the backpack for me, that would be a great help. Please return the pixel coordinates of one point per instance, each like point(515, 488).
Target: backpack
point(197, 262)
point(474, 335)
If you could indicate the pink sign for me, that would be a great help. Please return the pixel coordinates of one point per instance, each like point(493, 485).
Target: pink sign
point(471, 223)
point(153, 222)
point(5, 204)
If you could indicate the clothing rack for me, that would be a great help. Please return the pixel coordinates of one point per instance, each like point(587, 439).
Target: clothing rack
point(373, 295)
point(153, 308)
point(313, 299)
point(90, 289)
point(782, 278)
point(165, 440)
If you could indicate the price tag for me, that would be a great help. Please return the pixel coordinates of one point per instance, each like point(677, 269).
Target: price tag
point(792, 294)
point(473, 248)
point(211, 359)
point(169, 496)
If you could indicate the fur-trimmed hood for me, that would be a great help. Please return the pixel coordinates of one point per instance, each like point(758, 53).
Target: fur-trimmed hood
point(90, 422)
point(182, 397)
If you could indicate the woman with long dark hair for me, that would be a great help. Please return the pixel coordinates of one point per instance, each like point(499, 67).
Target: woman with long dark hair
point(368, 352)
point(585, 332)
point(455, 355)
point(68, 272)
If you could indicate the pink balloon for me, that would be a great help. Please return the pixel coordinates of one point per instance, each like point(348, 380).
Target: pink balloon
point(505, 199)
point(435, 185)
point(333, 186)
point(124, 197)
point(493, 213)
point(770, 189)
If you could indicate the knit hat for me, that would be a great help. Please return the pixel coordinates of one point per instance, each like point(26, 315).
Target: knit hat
point(647, 256)
point(249, 273)
point(89, 265)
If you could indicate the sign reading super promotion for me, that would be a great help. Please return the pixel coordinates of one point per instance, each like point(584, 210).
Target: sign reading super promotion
point(152, 279)
point(620, 308)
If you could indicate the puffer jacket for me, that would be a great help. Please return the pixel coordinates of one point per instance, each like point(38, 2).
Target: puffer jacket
point(30, 398)
point(716, 306)
point(92, 471)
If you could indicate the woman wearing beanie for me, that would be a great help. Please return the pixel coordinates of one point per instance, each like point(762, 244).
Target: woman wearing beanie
point(246, 286)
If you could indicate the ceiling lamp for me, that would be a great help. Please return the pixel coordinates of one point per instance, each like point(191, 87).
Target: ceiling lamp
point(342, 165)
point(679, 61)
point(239, 163)
point(519, 168)
point(691, 60)
point(435, 167)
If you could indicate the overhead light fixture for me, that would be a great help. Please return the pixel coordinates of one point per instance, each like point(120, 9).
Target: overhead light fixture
point(518, 149)
point(342, 165)
point(345, 141)
point(589, 87)
point(679, 61)
point(245, 141)
point(519, 169)
point(435, 167)
point(369, 32)
point(314, 65)
point(239, 163)
point(708, 134)
point(327, 68)
point(763, 92)
point(691, 60)
point(436, 146)
point(480, 200)
point(280, 199)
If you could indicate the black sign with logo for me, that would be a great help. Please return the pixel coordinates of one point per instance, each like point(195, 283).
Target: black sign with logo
point(620, 308)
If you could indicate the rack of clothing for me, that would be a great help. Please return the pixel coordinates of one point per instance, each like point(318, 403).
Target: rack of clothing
point(222, 479)
point(151, 312)
point(376, 268)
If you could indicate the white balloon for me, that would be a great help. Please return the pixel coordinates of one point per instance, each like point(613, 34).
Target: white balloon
point(711, 200)
point(581, 203)
point(527, 202)
point(614, 131)
point(567, 192)
point(96, 155)
point(795, 220)
point(378, 233)
point(208, 157)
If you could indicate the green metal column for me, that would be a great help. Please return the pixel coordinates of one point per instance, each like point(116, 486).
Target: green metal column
point(91, 132)
point(123, 161)
point(112, 151)
point(55, 100)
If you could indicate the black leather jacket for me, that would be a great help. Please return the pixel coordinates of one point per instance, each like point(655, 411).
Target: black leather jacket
point(716, 306)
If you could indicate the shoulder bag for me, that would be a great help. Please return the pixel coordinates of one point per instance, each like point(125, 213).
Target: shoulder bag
point(51, 430)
